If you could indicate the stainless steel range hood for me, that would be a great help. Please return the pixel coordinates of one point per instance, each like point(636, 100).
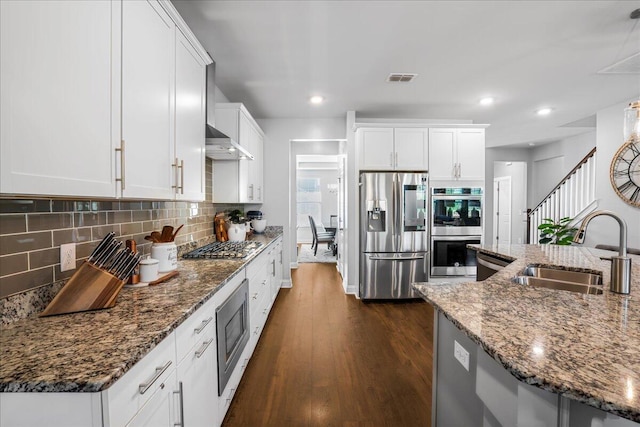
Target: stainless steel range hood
point(218, 145)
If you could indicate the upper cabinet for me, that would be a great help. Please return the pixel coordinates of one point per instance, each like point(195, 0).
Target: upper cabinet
point(59, 84)
point(190, 116)
point(456, 154)
point(147, 85)
point(118, 110)
point(393, 148)
point(239, 181)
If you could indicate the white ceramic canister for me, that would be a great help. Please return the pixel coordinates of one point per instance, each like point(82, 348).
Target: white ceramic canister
point(237, 232)
point(167, 256)
point(148, 270)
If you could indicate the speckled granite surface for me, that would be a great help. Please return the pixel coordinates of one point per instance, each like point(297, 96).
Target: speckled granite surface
point(87, 352)
point(584, 347)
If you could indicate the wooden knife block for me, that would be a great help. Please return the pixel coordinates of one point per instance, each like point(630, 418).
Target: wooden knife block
point(90, 288)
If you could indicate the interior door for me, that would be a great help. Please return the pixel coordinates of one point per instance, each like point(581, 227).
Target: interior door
point(502, 210)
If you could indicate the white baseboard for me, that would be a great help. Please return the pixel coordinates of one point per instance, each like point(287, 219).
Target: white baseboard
point(294, 265)
point(286, 284)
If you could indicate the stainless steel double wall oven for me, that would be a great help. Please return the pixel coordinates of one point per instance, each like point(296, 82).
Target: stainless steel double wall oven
point(456, 221)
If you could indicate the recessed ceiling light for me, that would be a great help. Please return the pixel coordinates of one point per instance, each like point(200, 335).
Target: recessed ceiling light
point(487, 101)
point(531, 144)
point(545, 111)
point(231, 149)
point(316, 99)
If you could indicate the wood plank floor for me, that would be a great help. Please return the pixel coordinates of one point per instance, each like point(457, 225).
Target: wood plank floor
point(328, 359)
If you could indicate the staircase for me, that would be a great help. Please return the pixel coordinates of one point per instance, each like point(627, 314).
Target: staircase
point(574, 196)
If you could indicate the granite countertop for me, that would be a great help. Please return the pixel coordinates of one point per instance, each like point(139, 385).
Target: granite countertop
point(89, 351)
point(583, 347)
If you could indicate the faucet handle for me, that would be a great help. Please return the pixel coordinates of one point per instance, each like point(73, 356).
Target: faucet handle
point(606, 258)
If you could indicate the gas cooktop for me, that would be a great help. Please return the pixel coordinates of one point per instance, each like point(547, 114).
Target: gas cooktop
point(224, 250)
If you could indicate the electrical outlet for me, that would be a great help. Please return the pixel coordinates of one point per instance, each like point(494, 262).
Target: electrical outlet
point(67, 256)
point(461, 354)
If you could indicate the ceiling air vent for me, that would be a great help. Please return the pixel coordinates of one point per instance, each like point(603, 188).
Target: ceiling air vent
point(401, 77)
point(630, 65)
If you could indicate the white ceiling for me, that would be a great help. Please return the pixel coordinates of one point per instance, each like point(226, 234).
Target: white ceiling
point(273, 55)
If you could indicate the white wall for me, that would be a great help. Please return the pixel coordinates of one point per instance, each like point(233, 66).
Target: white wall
point(517, 171)
point(278, 166)
point(492, 155)
point(552, 162)
point(608, 139)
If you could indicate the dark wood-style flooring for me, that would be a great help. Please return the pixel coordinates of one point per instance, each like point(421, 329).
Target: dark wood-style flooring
point(328, 359)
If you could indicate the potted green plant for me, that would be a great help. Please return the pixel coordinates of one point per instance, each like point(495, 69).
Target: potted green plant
point(556, 233)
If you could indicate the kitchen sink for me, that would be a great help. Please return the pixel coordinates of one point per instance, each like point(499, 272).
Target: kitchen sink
point(557, 284)
point(563, 280)
point(563, 275)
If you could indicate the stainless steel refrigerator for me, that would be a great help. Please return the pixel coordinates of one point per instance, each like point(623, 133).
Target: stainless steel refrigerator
point(393, 234)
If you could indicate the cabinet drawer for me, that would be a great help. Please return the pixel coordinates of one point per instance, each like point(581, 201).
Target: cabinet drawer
point(194, 328)
point(257, 266)
point(224, 400)
point(131, 392)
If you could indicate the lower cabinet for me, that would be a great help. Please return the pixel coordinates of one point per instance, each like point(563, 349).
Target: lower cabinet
point(176, 383)
point(158, 410)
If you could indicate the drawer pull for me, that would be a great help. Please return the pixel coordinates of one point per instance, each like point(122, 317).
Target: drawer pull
point(181, 400)
point(203, 325)
point(230, 395)
point(203, 348)
point(159, 371)
point(255, 333)
point(255, 296)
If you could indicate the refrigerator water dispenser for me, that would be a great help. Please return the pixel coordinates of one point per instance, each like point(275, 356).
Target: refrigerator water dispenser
point(376, 215)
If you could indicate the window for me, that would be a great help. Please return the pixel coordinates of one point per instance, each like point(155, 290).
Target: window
point(309, 200)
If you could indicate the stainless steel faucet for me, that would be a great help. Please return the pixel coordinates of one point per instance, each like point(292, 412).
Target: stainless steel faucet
point(621, 264)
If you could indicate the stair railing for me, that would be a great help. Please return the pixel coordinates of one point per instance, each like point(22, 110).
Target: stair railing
point(575, 193)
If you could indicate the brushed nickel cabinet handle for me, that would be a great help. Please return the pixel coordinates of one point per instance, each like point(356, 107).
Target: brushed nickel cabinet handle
point(181, 399)
point(391, 159)
point(122, 168)
point(203, 325)
point(203, 348)
point(181, 176)
point(142, 388)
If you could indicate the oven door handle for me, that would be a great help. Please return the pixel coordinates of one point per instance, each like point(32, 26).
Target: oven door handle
point(383, 258)
point(455, 238)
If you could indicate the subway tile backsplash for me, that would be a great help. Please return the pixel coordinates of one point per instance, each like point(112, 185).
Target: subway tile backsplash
point(31, 232)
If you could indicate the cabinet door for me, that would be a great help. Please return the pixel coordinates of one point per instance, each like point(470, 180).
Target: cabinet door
point(376, 149)
point(190, 111)
point(411, 149)
point(158, 411)
point(58, 71)
point(441, 154)
point(147, 85)
point(471, 154)
point(247, 191)
point(258, 166)
point(198, 382)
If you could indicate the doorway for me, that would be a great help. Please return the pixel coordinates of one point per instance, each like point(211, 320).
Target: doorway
point(316, 197)
point(509, 202)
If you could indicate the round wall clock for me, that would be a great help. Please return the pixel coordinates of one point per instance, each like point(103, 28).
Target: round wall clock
point(625, 172)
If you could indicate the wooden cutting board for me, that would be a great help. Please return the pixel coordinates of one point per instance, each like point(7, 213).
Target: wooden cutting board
point(90, 288)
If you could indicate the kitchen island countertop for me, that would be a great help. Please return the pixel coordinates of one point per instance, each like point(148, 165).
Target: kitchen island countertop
point(583, 347)
point(89, 351)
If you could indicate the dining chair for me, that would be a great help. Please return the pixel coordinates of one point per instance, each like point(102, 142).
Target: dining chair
point(322, 237)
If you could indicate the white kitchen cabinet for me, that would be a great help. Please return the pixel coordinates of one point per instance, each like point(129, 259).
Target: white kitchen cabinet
point(190, 94)
point(160, 410)
point(197, 373)
point(393, 148)
point(148, 80)
point(456, 154)
point(239, 181)
point(59, 63)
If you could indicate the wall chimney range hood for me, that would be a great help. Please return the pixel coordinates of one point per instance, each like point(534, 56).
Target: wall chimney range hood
point(219, 146)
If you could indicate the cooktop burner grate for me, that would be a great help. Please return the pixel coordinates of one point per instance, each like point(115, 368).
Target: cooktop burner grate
point(224, 250)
